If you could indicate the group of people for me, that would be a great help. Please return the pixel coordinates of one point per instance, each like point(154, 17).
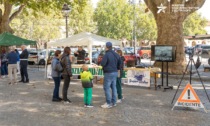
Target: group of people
point(13, 63)
point(112, 65)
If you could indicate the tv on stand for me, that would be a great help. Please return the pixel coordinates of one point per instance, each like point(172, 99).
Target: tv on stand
point(163, 53)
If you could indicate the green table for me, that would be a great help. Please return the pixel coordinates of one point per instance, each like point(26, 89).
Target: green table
point(94, 71)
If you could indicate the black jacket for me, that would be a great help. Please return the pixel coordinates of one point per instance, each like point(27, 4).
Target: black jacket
point(122, 66)
point(81, 55)
point(24, 54)
point(111, 62)
point(66, 64)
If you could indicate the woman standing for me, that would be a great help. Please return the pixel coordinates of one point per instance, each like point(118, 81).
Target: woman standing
point(4, 69)
point(119, 78)
point(67, 74)
point(56, 75)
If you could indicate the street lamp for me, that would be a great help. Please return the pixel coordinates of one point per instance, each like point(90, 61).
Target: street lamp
point(66, 10)
point(134, 3)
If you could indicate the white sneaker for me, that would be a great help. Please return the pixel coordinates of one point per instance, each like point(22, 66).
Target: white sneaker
point(89, 106)
point(114, 105)
point(119, 101)
point(3, 76)
point(106, 106)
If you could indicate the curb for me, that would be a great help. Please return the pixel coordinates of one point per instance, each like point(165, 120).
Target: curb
point(187, 77)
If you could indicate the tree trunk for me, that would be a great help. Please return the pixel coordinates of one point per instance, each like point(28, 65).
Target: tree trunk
point(170, 29)
point(170, 32)
point(6, 17)
point(5, 27)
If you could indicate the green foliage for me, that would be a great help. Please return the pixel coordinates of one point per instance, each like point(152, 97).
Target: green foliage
point(146, 25)
point(115, 20)
point(42, 28)
point(42, 5)
point(194, 24)
point(81, 20)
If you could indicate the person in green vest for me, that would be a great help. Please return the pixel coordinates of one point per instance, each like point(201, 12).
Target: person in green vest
point(87, 84)
point(119, 78)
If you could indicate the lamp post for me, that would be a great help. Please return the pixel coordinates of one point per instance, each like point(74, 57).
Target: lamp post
point(134, 3)
point(66, 10)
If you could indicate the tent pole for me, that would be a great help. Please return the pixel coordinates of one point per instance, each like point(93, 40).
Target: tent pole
point(37, 56)
point(46, 59)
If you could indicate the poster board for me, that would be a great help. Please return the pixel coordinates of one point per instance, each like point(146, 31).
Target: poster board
point(138, 78)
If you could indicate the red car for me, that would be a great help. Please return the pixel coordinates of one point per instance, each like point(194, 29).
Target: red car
point(130, 58)
point(145, 52)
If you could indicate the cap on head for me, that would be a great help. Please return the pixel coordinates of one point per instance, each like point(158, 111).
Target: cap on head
point(108, 44)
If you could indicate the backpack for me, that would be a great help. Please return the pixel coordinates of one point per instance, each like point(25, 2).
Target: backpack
point(59, 67)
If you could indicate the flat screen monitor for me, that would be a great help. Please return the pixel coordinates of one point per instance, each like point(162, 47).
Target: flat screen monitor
point(163, 53)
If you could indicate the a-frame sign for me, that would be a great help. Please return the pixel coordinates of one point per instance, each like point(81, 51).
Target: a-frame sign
point(189, 98)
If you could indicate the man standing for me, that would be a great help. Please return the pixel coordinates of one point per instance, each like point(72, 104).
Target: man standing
point(24, 64)
point(12, 65)
point(80, 54)
point(111, 64)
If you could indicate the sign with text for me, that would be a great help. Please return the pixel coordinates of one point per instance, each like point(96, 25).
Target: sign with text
point(189, 98)
point(138, 78)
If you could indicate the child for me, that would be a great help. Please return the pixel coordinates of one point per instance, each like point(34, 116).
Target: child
point(86, 78)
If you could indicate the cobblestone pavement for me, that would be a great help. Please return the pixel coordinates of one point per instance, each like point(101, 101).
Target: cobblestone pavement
point(30, 105)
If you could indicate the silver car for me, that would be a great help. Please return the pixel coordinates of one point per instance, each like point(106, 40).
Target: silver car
point(38, 57)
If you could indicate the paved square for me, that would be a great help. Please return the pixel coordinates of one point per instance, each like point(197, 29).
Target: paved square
point(31, 105)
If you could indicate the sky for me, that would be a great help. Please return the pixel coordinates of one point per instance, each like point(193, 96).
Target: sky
point(204, 10)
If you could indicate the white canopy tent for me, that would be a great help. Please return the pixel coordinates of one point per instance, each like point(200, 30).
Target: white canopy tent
point(85, 39)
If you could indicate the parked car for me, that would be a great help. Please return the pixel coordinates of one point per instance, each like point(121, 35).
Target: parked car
point(39, 57)
point(204, 49)
point(95, 55)
point(130, 58)
point(198, 48)
point(87, 59)
point(209, 61)
point(100, 57)
point(145, 52)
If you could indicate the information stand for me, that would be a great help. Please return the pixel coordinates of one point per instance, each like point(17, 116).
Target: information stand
point(164, 53)
point(162, 78)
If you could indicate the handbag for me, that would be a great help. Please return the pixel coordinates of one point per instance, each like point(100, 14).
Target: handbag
point(59, 67)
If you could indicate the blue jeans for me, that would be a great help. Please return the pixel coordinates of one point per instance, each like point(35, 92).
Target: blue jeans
point(57, 81)
point(110, 82)
point(4, 70)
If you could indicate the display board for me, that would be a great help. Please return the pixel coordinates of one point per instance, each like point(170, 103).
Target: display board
point(138, 78)
point(164, 53)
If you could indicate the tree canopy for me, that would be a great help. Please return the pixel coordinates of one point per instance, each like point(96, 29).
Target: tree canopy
point(194, 24)
point(114, 19)
point(81, 20)
point(42, 28)
point(11, 8)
